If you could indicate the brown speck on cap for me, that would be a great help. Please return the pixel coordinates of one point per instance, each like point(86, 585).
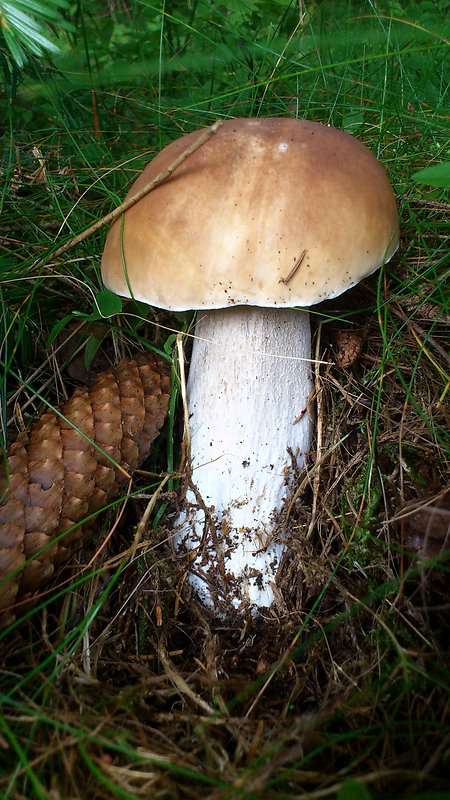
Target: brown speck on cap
point(324, 193)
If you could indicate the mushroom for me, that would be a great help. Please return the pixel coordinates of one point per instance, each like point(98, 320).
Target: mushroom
point(268, 215)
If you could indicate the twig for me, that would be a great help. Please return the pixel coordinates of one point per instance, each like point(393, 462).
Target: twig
point(180, 683)
point(431, 204)
point(294, 269)
point(160, 178)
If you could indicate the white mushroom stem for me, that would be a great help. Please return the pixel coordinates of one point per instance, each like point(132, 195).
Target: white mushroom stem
point(248, 386)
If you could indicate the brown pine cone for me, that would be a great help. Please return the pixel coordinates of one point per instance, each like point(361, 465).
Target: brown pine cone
point(56, 477)
point(348, 346)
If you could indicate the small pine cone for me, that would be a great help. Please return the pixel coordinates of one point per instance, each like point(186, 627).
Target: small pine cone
point(55, 476)
point(348, 346)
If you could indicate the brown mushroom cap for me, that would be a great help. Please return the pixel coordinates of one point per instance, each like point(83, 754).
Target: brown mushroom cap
point(268, 212)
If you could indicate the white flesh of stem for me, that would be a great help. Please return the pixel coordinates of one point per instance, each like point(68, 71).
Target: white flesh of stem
point(249, 381)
